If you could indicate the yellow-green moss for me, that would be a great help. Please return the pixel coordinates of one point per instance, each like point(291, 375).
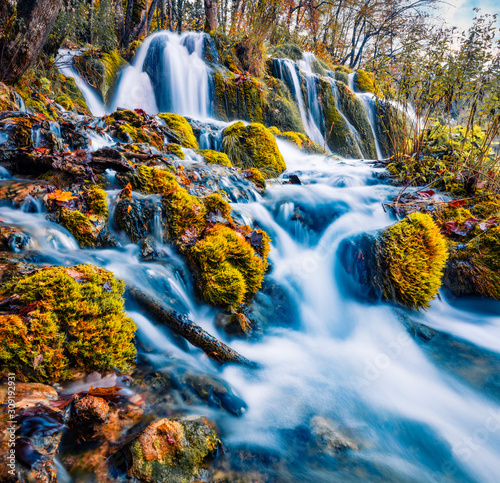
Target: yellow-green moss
point(227, 268)
point(254, 175)
point(139, 135)
point(214, 157)
point(414, 254)
point(175, 149)
point(65, 102)
point(274, 130)
point(73, 319)
point(292, 137)
point(80, 226)
point(253, 146)
point(97, 201)
point(216, 204)
point(181, 128)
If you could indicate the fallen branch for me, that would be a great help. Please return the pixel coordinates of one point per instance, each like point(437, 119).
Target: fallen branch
point(193, 333)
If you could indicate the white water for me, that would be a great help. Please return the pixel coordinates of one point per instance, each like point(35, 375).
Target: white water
point(312, 130)
point(416, 416)
point(370, 102)
point(168, 74)
point(65, 65)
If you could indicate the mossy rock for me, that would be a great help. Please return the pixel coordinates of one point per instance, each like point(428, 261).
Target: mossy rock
point(256, 177)
point(414, 254)
point(88, 229)
point(133, 128)
point(342, 76)
point(181, 128)
point(214, 157)
point(227, 269)
point(392, 126)
point(73, 320)
point(65, 102)
point(175, 149)
point(101, 70)
point(172, 451)
point(355, 112)
point(287, 51)
point(253, 146)
point(338, 135)
point(8, 100)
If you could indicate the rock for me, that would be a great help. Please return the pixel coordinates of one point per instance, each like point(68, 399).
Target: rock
point(108, 158)
point(237, 325)
point(171, 451)
point(326, 437)
point(134, 217)
point(8, 98)
point(12, 239)
point(91, 410)
point(33, 394)
point(403, 263)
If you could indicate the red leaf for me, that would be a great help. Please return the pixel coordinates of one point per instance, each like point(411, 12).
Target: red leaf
point(426, 194)
point(457, 203)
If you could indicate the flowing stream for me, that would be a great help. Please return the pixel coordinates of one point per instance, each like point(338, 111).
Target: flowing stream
point(414, 408)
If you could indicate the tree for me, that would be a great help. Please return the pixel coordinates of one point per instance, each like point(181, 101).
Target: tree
point(211, 15)
point(23, 36)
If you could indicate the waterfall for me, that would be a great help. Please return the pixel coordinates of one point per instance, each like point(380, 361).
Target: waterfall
point(370, 102)
point(65, 65)
point(169, 74)
point(287, 71)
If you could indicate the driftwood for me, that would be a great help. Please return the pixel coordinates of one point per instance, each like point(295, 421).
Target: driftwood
point(193, 333)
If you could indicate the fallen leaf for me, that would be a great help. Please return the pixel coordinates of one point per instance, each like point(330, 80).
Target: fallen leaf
point(493, 221)
point(37, 361)
point(61, 196)
point(456, 203)
point(426, 194)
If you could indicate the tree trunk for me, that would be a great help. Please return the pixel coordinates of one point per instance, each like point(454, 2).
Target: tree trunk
point(211, 15)
point(151, 12)
point(139, 23)
point(119, 20)
point(19, 47)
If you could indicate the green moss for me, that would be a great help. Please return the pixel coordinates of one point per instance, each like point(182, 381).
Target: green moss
point(181, 128)
point(8, 100)
point(274, 130)
point(97, 201)
point(338, 136)
point(287, 51)
point(214, 157)
point(354, 110)
point(175, 149)
point(74, 320)
point(253, 146)
point(227, 268)
point(216, 204)
point(65, 102)
point(414, 254)
point(342, 76)
point(256, 177)
point(80, 226)
point(101, 70)
point(132, 130)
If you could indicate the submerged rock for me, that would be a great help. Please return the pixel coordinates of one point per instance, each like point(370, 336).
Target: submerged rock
point(90, 410)
point(171, 451)
point(12, 239)
point(327, 438)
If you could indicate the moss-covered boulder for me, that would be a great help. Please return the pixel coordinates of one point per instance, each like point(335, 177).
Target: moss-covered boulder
point(263, 100)
point(287, 51)
point(227, 262)
point(71, 319)
point(101, 70)
point(173, 451)
point(181, 129)
point(341, 73)
point(253, 146)
point(355, 112)
point(8, 99)
point(227, 268)
point(339, 137)
point(393, 127)
point(214, 157)
point(404, 263)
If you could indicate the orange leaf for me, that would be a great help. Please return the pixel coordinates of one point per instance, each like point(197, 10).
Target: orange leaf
point(63, 196)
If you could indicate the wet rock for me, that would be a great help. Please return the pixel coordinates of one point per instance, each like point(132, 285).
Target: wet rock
point(90, 410)
point(17, 193)
point(237, 325)
point(108, 158)
point(148, 249)
point(33, 394)
point(294, 179)
point(134, 217)
point(12, 239)
point(8, 98)
point(173, 451)
point(215, 393)
point(327, 438)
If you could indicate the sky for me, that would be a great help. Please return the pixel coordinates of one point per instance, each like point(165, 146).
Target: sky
point(459, 12)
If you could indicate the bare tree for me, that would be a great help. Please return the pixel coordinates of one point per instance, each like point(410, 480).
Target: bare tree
point(211, 15)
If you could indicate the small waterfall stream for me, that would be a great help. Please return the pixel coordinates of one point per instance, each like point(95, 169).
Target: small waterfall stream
point(416, 409)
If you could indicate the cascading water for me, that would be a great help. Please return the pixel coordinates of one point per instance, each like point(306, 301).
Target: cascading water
point(413, 408)
point(168, 74)
point(287, 71)
point(65, 65)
